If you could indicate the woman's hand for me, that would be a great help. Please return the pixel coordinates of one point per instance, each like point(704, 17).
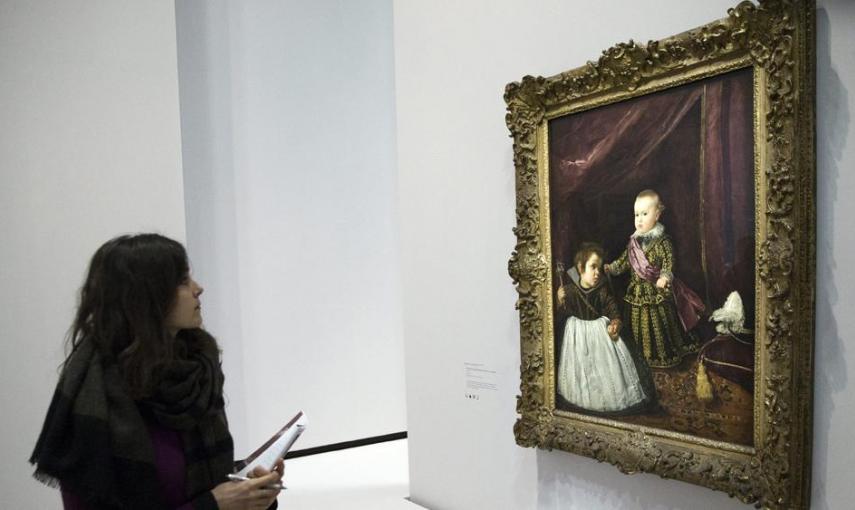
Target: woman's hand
point(278, 467)
point(255, 494)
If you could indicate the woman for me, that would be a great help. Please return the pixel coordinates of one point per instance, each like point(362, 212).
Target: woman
point(137, 420)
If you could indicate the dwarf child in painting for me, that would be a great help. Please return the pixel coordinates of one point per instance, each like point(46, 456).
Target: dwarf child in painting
point(596, 371)
point(662, 310)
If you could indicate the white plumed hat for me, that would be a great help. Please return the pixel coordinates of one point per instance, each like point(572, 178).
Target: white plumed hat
point(731, 316)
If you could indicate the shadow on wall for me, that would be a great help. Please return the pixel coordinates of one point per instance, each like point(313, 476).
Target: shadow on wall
point(830, 377)
point(570, 481)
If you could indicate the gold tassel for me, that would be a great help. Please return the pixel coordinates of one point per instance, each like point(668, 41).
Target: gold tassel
point(703, 387)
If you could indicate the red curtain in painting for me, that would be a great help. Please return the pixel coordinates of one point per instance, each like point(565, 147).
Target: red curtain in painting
point(692, 144)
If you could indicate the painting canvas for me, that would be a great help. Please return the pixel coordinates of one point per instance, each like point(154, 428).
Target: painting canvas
point(692, 146)
point(664, 256)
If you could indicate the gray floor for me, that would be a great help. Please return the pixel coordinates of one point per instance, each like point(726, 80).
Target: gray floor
point(369, 477)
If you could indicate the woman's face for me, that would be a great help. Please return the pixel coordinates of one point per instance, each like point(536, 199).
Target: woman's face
point(186, 312)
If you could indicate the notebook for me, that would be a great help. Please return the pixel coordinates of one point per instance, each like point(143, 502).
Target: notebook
point(274, 448)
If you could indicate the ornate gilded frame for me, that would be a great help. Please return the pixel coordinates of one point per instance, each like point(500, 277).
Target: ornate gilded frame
point(777, 39)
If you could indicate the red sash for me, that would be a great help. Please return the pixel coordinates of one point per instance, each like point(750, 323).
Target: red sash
point(689, 304)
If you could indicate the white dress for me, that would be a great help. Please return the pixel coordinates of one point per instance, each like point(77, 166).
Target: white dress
point(596, 372)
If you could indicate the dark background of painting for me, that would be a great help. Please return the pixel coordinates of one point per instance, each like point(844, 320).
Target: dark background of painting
point(600, 159)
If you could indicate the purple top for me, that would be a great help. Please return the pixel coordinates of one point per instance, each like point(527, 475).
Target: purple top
point(169, 459)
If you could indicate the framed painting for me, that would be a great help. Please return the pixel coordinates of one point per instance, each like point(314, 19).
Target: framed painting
point(665, 255)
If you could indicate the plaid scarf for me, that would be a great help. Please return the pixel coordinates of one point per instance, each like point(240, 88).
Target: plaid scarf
point(96, 443)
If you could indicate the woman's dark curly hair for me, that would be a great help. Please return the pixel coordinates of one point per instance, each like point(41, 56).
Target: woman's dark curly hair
point(128, 293)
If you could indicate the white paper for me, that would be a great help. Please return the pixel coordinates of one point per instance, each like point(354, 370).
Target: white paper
point(275, 447)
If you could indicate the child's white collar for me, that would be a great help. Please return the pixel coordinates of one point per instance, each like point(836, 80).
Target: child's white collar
point(656, 232)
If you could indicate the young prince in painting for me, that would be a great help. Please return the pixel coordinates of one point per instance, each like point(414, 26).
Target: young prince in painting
point(662, 309)
point(596, 371)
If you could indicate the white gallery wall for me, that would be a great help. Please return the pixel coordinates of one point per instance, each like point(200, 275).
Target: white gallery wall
point(456, 193)
point(89, 149)
point(288, 128)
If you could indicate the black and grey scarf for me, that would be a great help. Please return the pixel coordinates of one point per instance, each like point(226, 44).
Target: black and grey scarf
point(96, 443)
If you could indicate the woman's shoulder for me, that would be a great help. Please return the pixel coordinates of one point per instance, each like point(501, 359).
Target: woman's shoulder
point(198, 341)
